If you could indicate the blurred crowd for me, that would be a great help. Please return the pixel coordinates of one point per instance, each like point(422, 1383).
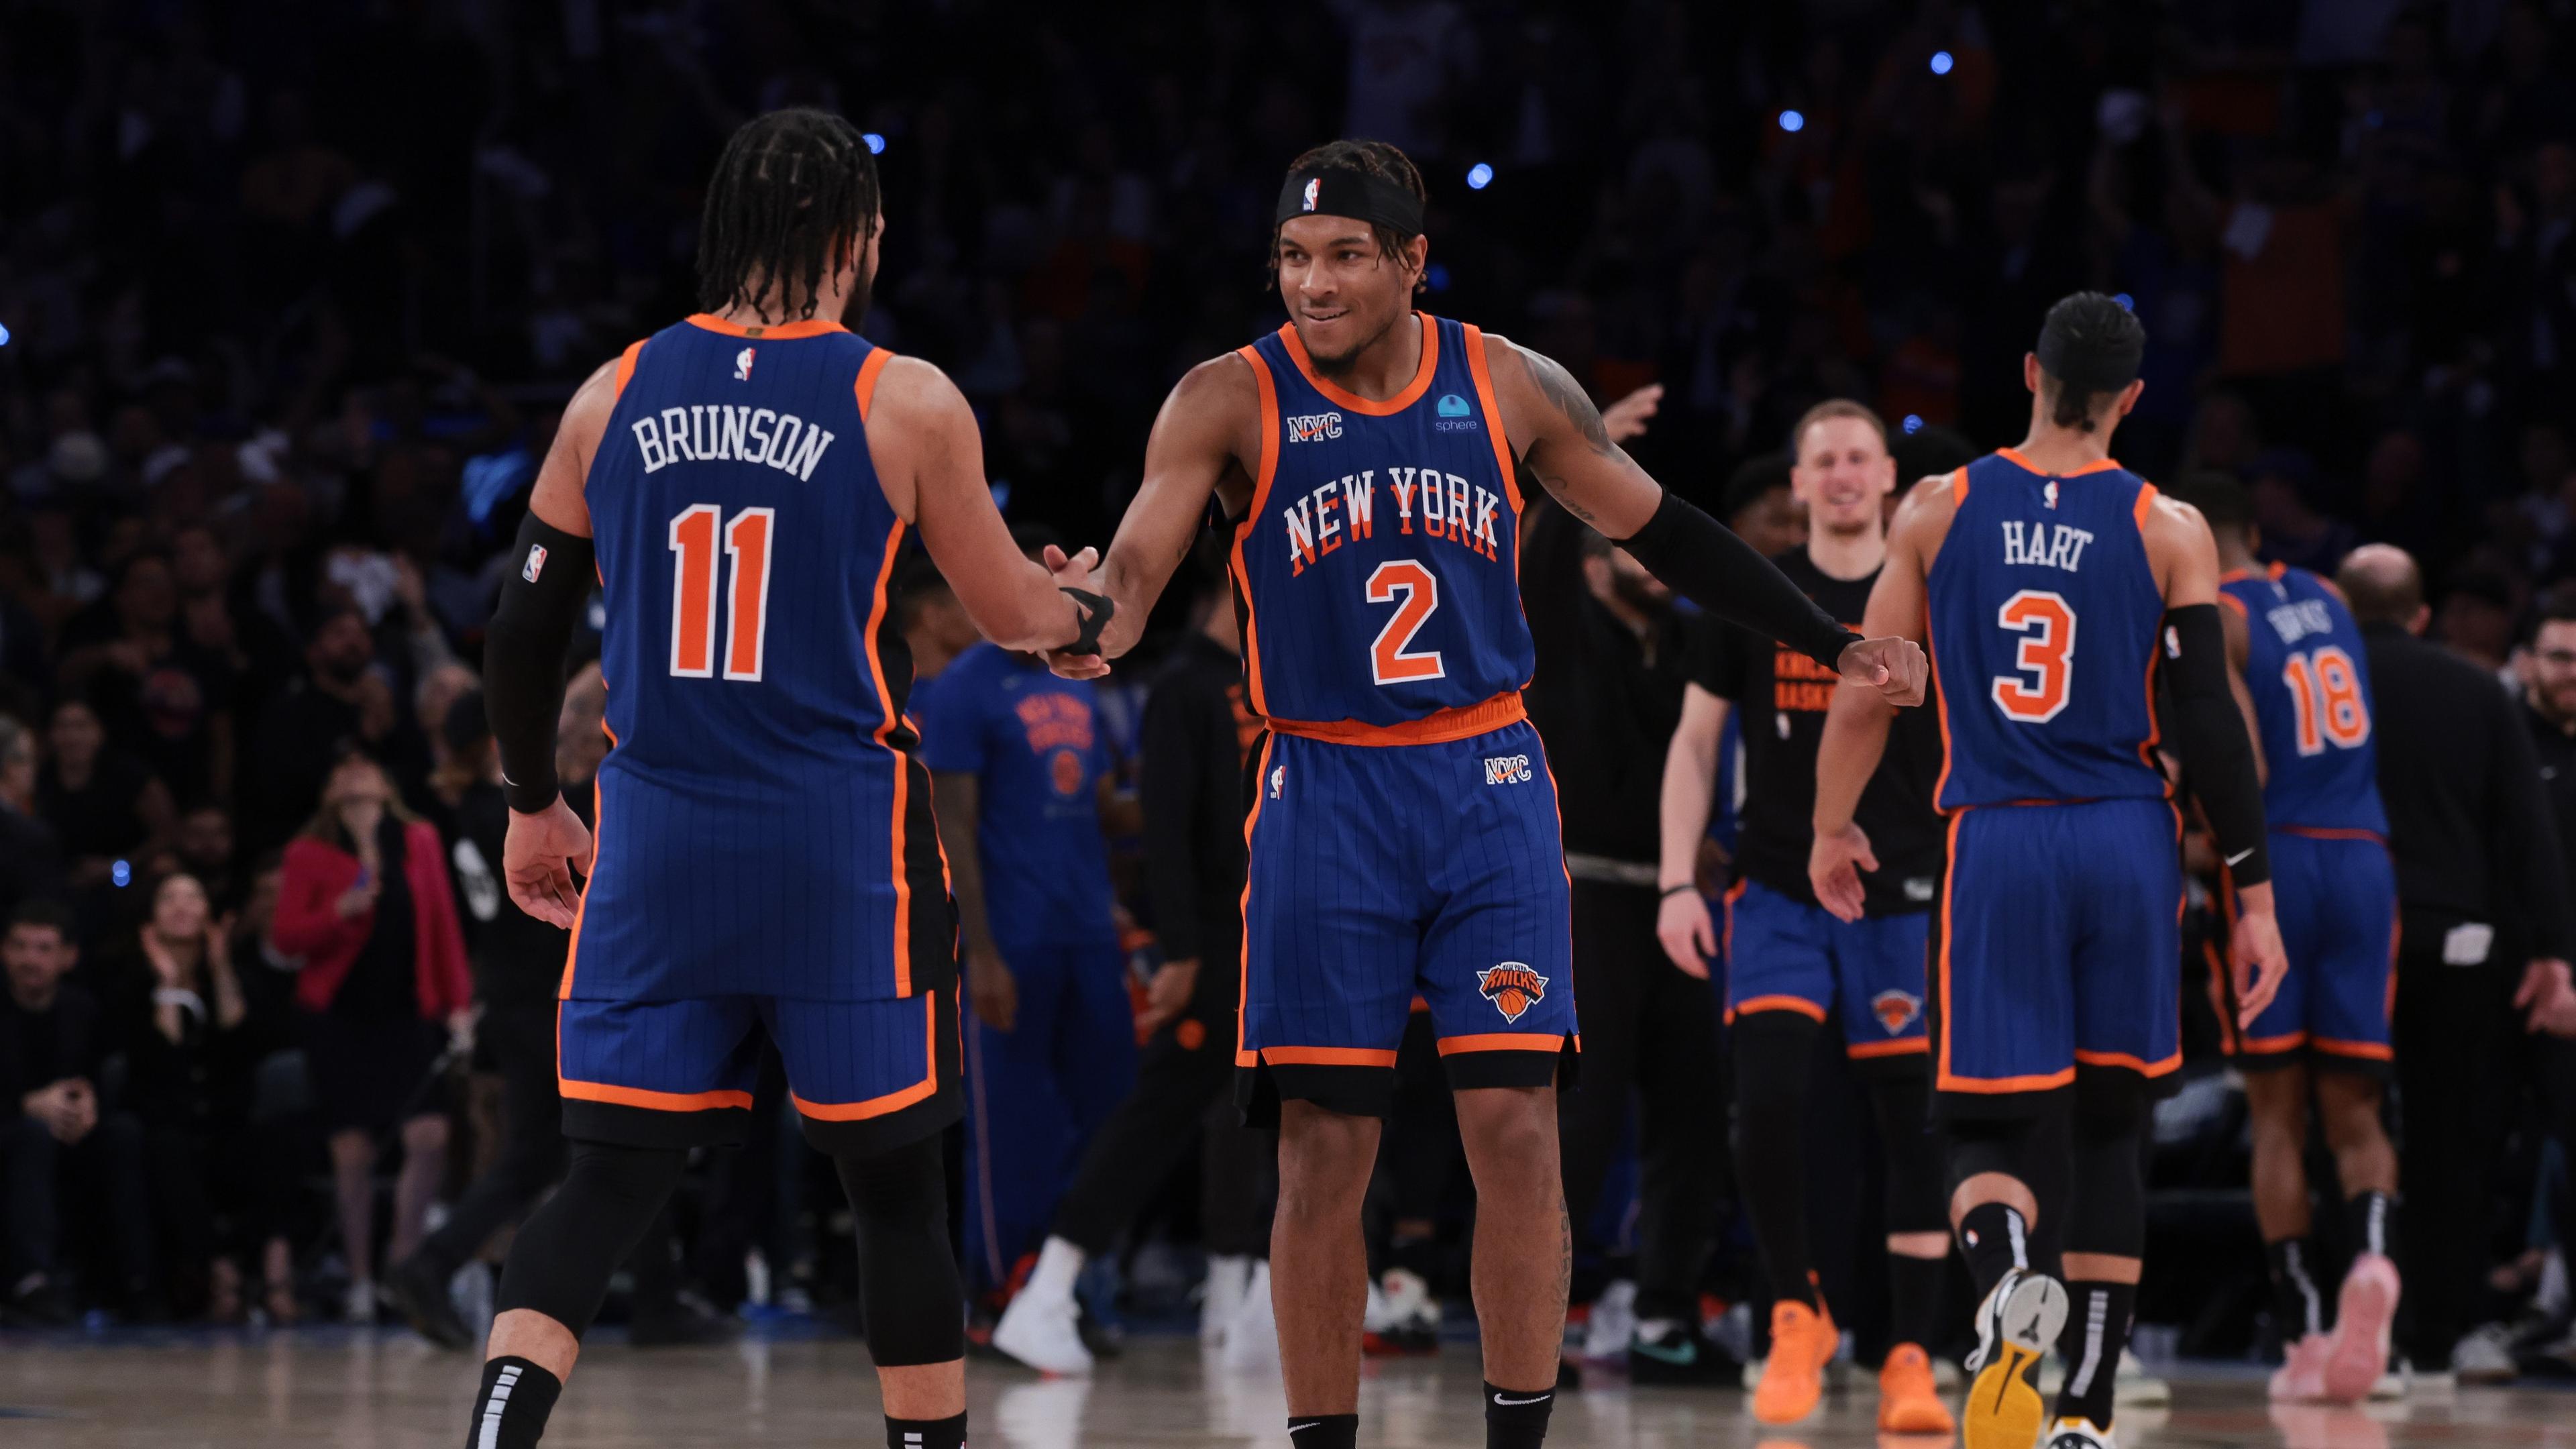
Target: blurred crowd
point(293, 295)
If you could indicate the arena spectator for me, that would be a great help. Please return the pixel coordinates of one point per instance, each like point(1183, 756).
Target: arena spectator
point(105, 806)
point(365, 900)
point(162, 696)
point(31, 860)
point(340, 699)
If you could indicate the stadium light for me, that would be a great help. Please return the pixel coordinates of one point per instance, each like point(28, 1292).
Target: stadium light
point(1479, 176)
point(1911, 425)
point(2127, 302)
point(1941, 62)
point(1436, 277)
point(1792, 122)
point(876, 143)
point(4, 336)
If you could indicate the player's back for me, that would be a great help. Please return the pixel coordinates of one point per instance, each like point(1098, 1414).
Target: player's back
point(760, 792)
point(2309, 675)
point(1377, 569)
point(2044, 614)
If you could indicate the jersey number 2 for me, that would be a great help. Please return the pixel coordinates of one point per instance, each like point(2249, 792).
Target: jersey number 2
point(2046, 625)
point(1389, 663)
point(693, 591)
point(2325, 695)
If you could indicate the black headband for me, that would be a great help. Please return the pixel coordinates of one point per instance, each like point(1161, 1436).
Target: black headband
point(2094, 366)
point(1342, 191)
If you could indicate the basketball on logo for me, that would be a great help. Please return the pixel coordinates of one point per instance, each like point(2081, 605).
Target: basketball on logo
point(1513, 988)
point(1895, 1010)
point(1068, 772)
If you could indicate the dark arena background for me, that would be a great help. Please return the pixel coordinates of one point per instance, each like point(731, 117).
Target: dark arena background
point(293, 296)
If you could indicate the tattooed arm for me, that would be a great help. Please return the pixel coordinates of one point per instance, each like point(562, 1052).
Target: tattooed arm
point(1560, 439)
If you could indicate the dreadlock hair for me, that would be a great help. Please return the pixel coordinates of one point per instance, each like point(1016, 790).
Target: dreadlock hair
point(1381, 159)
point(790, 193)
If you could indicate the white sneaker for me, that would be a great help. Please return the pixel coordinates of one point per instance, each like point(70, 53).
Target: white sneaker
point(360, 1305)
point(1043, 1330)
point(1613, 1322)
point(1252, 1339)
point(1222, 1297)
point(2135, 1388)
point(2485, 1355)
point(2079, 1434)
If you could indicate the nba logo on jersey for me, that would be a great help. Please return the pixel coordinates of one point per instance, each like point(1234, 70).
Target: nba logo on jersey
point(536, 563)
point(1513, 988)
point(2047, 495)
point(1313, 185)
point(742, 365)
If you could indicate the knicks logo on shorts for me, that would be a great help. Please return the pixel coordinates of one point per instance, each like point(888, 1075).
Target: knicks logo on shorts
point(1512, 987)
point(1896, 1010)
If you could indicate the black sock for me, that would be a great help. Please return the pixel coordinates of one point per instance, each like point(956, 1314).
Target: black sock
point(1517, 1418)
point(1324, 1431)
point(510, 1409)
point(1914, 1299)
point(2097, 1328)
point(2370, 1222)
point(948, 1433)
point(1995, 1240)
point(2297, 1311)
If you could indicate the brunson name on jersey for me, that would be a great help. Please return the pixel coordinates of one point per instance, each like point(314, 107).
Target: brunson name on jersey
point(1427, 501)
point(2049, 545)
point(727, 432)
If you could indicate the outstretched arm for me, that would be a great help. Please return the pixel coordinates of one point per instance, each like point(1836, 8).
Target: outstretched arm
point(1565, 445)
point(1856, 723)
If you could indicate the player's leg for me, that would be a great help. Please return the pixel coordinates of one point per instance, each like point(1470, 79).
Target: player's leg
point(2351, 1052)
point(643, 1082)
point(1319, 1282)
point(530, 1160)
point(2276, 1105)
point(2106, 1230)
point(1523, 1254)
point(874, 1084)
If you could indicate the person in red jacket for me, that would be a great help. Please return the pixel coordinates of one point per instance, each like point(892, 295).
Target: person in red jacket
point(365, 903)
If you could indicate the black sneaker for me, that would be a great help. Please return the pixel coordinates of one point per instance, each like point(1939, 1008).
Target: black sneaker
point(419, 1290)
point(1677, 1353)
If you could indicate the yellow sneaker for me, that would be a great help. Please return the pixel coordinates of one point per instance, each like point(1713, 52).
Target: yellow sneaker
point(1907, 1401)
point(2015, 1326)
point(1803, 1340)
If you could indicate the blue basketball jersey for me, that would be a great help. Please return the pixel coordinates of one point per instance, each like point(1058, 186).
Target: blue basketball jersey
point(2310, 678)
point(763, 828)
point(2044, 616)
point(1377, 569)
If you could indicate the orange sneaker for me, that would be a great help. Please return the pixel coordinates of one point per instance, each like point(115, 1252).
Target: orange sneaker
point(1907, 1401)
point(1803, 1340)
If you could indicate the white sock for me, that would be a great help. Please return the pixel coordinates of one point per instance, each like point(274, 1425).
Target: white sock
point(1059, 1263)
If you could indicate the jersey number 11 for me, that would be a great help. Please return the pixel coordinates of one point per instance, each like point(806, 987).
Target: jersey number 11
point(693, 591)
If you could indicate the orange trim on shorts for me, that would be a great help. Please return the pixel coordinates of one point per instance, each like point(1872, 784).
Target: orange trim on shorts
point(1504, 1041)
point(1494, 425)
point(2271, 1045)
point(651, 1101)
point(626, 365)
point(1798, 1004)
point(1942, 1077)
point(865, 389)
point(784, 332)
point(894, 1101)
point(1902, 1046)
point(1726, 938)
point(2140, 1065)
point(2371, 1050)
point(1327, 1057)
point(2146, 499)
point(1243, 957)
point(902, 762)
point(1413, 390)
point(1436, 728)
point(1268, 466)
point(2330, 832)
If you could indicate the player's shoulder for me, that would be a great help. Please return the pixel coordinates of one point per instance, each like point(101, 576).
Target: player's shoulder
point(908, 391)
point(1219, 381)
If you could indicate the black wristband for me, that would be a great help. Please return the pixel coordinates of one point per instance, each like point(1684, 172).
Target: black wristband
point(1706, 563)
point(1670, 891)
point(1097, 611)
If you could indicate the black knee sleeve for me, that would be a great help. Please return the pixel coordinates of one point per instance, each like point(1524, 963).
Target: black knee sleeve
point(1915, 1200)
point(562, 1259)
point(908, 1284)
point(2106, 1208)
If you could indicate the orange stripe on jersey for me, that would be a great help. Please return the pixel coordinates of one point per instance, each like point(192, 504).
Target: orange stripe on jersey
point(2233, 602)
point(1940, 696)
point(2146, 496)
point(894, 1101)
point(1243, 957)
point(1269, 465)
point(1494, 424)
point(902, 765)
point(1436, 728)
point(2014, 456)
point(581, 905)
point(1327, 1057)
point(784, 332)
point(1413, 390)
point(626, 366)
point(2155, 725)
point(1504, 1041)
point(865, 389)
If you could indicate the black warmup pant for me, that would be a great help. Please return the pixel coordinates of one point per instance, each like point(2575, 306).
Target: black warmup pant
point(39, 1175)
point(1649, 1036)
point(2461, 1054)
point(1184, 1094)
point(522, 1038)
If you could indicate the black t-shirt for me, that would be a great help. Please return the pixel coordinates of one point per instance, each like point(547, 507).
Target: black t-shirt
point(384, 982)
point(1782, 696)
point(518, 959)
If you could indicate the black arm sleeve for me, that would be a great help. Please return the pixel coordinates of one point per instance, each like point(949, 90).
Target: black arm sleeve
point(1171, 754)
point(1707, 564)
point(523, 656)
point(2209, 730)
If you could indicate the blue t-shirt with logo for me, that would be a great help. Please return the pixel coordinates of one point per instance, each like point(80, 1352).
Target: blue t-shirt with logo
point(1036, 746)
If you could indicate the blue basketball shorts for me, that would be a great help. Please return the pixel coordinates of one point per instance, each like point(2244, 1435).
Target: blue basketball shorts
point(2336, 895)
point(2057, 953)
point(1383, 871)
point(863, 1076)
point(1784, 954)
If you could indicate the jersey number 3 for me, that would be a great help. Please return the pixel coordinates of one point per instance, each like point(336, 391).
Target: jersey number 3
point(2037, 692)
point(1389, 661)
point(693, 591)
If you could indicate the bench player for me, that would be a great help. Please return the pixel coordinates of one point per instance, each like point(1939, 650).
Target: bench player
point(1403, 835)
point(739, 485)
point(2043, 579)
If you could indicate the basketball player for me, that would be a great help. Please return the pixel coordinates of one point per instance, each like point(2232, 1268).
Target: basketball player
point(1790, 966)
point(739, 485)
point(1403, 834)
point(2054, 985)
point(2307, 693)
